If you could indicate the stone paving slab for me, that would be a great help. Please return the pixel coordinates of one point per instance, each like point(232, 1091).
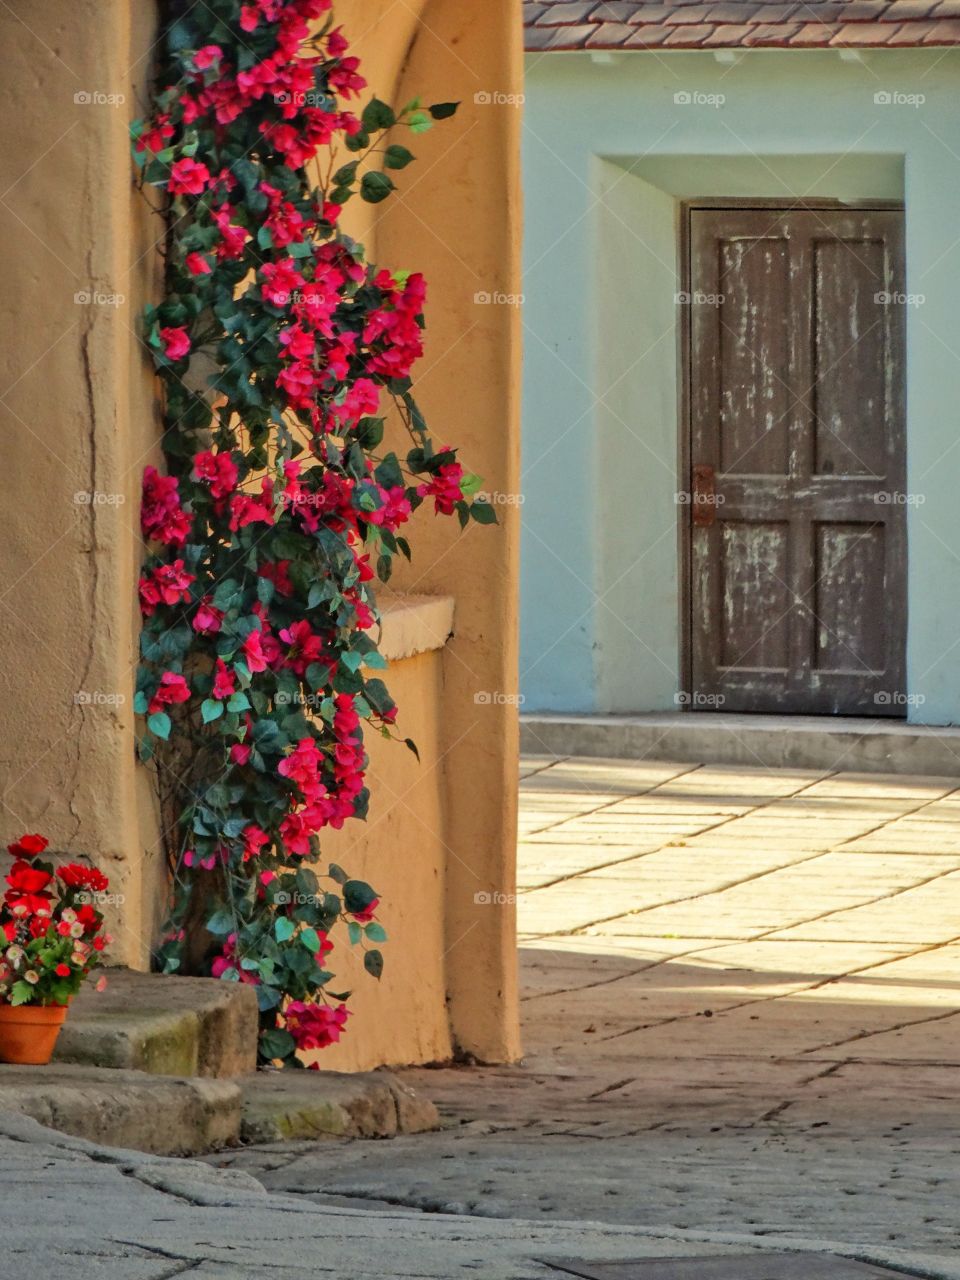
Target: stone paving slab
point(751, 1028)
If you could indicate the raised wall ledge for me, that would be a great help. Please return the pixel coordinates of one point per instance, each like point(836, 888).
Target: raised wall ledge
point(414, 624)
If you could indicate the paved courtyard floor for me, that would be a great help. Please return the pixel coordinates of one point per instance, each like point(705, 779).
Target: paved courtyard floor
point(741, 1017)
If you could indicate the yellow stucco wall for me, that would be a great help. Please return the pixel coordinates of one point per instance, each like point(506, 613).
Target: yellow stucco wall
point(78, 416)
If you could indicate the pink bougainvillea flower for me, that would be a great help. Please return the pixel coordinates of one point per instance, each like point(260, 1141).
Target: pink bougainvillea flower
point(279, 280)
point(444, 488)
point(207, 56)
point(157, 137)
point(368, 912)
point(224, 681)
point(176, 343)
point(207, 621)
point(198, 265)
point(218, 470)
point(161, 515)
point(254, 840)
point(253, 653)
point(240, 753)
point(168, 584)
point(305, 646)
point(227, 964)
point(172, 689)
point(315, 1026)
point(188, 178)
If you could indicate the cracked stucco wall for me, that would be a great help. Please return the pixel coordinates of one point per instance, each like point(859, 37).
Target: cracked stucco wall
point(78, 418)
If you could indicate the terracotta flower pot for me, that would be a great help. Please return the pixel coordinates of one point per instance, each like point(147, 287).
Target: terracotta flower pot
point(28, 1032)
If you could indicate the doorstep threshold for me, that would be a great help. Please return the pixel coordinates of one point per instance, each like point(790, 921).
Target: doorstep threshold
point(851, 744)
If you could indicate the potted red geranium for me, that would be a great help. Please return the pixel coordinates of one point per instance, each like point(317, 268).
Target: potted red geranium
point(51, 938)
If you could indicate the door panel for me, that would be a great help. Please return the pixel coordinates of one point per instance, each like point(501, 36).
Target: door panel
point(794, 368)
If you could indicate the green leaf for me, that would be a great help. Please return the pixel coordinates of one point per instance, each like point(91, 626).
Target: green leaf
point(310, 939)
point(373, 963)
point(376, 932)
point(483, 513)
point(377, 115)
point(140, 704)
point(238, 702)
point(337, 873)
point(221, 923)
point(443, 110)
point(211, 709)
point(419, 122)
point(354, 932)
point(397, 157)
point(21, 992)
point(283, 929)
point(357, 896)
point(277, 1044)
point(375, 187)
point(412, 746)
point(159, 725)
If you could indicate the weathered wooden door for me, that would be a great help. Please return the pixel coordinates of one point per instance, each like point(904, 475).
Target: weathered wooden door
point(794, 372)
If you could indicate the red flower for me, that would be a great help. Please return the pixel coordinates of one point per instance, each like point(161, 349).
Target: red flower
point(444, 488)
point(368, 912)
point(62, 971)
point(198, 265)
point(157, 138)
point(207, 621)
point(28, 846)
point(168, 584)
point(253, 653)
point(224, 681)
point(218, 470)
point(314, 1026)
point(176, 343)
point(188, 178)
point(279, 281)
point(75, 876)
point(305, 646)
point(22, 878)
point(207, 56)
point(161, 515)
point(171, 690)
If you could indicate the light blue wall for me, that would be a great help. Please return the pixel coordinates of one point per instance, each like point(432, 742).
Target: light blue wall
point(608, 155)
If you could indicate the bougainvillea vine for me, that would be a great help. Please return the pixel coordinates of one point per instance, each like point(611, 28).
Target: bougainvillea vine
point(281, 352)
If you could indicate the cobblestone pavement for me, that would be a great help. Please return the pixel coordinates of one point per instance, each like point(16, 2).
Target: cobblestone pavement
point(741, 1014)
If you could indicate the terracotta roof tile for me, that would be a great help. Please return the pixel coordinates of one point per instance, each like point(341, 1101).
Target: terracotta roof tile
point(777, 33)
point(642, 24)
point(690, 37)
point(856, 34)
point(693, 14)
point(911, 33)
point(568, 11)
point(724, 36)
point(814, 35)
point(906, 10)
point(610, 35)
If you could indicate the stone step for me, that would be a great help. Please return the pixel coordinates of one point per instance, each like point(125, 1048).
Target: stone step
point(165, 1026)
point(171, 1116)
point(852, 744)
point(286, 1106)
point(163, 1115)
